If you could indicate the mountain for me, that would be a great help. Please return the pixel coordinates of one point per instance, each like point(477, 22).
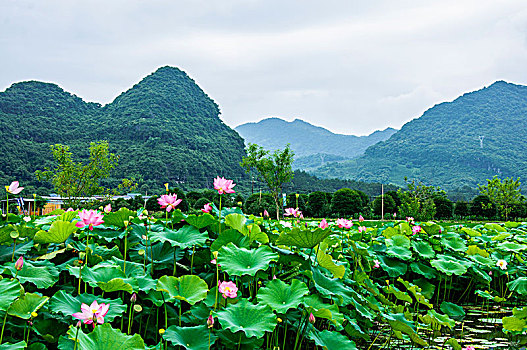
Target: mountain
point(313, 145)
point(164, 129)
point(453, 144)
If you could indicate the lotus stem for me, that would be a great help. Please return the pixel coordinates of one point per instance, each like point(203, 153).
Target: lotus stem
point(76, 337)
point(285, 331)
point(174, 270)
point(14, 246)
point(3, 326)
point(192, 259)
point(125, 248)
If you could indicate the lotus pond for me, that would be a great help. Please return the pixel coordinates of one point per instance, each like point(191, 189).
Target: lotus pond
point(225, 280)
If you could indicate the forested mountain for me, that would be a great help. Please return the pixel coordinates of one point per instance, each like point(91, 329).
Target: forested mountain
point(164, 129)
point(453, 144)
point(313, 145)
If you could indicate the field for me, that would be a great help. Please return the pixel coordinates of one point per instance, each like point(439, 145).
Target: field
point(225, 280)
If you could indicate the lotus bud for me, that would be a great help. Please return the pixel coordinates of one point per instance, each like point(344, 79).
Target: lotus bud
point(133, 298)
point(19, 263)
point(210, 321)
point(311, 318)
point(79, 323)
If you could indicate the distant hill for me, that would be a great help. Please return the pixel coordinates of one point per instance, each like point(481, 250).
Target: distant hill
point(313, 145)
point(453, 144)
point(164, 129)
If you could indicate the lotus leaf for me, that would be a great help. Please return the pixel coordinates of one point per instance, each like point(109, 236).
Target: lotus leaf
point(104, 337)
point(120, 218)
point(189, 288)
point(24, 306)
point(511, 247)
point(201, 221)
point(454, 311)
point(437, 320)
point(474, 249)
point(185, 237)
point(191, 338)
point(253, 320)
point(315, 305)
point(331, 340)
point(42, 274)
point(393, 267)
point(449, 267)
point(66, 304)
point(281, 296)
point(424, 249)
point(326, 261)
point(11, 290)
point(399, 323)
point(228, 236)
point(240, 261)
point(495, 227)
point(399, 247)
point(21, 345)
point(302, 238)
point(519, 285)
point(423, 270)
point(454, 242)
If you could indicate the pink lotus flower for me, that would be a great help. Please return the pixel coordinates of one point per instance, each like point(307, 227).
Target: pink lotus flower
point(19, 263)
point(108, 208)
point(292, 212)
point(470, 347)
point(89, 217)
point(416, 230)
point(228, 289)
point(377, 264)
point(265, 213)
point(210, 321)
point(362, 229)
point(223, 185)
point(168, 201)
point(361, 219)
point(92, 314)
point(323, 224)
point(311, 318)
point(13, 188)
point(207, 208)
point(409, 219)
point(343, 223)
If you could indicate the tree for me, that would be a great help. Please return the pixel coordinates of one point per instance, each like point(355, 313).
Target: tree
point(503, 194)
point(417, 201)
point(274, 169)
point(444, 206)
point(346, 202)
point(389, 205)
point(461, 209)
point(73, 180)
point(317, 204)
point(481, 206)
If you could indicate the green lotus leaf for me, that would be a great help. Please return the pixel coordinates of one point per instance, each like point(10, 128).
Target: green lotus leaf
point(42, 274)
point(399, 247)
point(24, 306)
point(427, 288)
point(191, 338)
point(511, 247)
point(433, 318)
point(253, 320)
point(67, 216)
point(201, 221)
point(315, 305)
point(471, 232)
point(487, 295)
point(328, 286)
point(11, 290)
point(454, 242)
point(431, 228)
point(21, 345)
point(416, 292)
point(326, 261)
point(281, 296)
point(475, 250)
point(302, 238)
point(108, 278)
point(6, 251)
point(452, 310)
point(424, 249)
point(399, 294)
point(514, 324)
point(66, 304)
point(423, 270)
point(399, 323)
point(449, 267)
point(228, 236)
point(388, 232)
point(482, 261)
point(185, 237)
point(120, 218)
point(494, 227)
point(189, 288)
point(234, 340)
point(240, 261)
point(519, 285)
point(331, 340)
point(393, 267)
point(481, 275)
point(57, 233)
point(453, 343)
point(104, 337)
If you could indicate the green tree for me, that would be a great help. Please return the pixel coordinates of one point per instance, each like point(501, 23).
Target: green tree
point(389, 206)
point(346, 202)
point(481, 207)
point(504, 194)
point(461, 209)
point(73, 180)
point(444, 206)
point(274, 169)
point(258, 202)
point(317, 204)
point(417, 201)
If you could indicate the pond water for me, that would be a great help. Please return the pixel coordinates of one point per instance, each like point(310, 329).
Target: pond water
point(480, 328)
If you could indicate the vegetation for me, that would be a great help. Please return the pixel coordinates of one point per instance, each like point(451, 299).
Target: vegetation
point(503, 194)
point(274, 169)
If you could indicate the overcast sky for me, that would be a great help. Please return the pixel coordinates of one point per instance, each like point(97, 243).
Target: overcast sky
point(350, 66)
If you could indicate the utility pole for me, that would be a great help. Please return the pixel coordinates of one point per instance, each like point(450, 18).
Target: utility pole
point(382, 202)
